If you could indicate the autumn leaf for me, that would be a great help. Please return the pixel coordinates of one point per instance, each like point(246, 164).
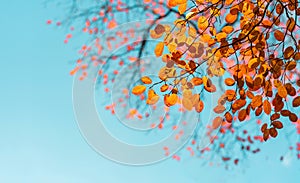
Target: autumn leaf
point(296, 101)
point(152, 97)
point(231, 18)
point(217, 122)
point(279, 36)
point(282, 91)
point(273, 132)
point(288, 52)
point(202, 23)
point(228, 29)
point(199, 106)
point(187, 103)
point(228, 117)
point(291, 65)
point(264, 127)
point(146, 80)
point(277, 124)
point(170, 100)
point(229, 82)
point(164, 88)
point(256, 101)
point(182, 8)
point(172, 3)
point(159, 49)
point(219, 109)
point(253, 63)
point(242, 115)
point(267, 107)
point(293, 117)
point(266, 134)
point(139, 89)
point(196, 81)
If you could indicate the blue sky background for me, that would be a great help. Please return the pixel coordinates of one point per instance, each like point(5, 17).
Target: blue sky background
point(39, 138)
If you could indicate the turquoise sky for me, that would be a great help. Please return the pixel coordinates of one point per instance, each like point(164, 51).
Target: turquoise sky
point(39, 138)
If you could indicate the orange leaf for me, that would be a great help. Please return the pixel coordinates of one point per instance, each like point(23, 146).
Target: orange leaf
point(187, 103)
point(279, 36)
point(267, 107)
point(172, 3)
point(202, 23)
point(164, 88)
point(146, 80)
point(242, 115)
point(182, 8)
point(228, 29)
point(199, 106)
point(267, 23)
point(282, 92)
point(159, 49)
point(231, 18)
point(170, 100)
point(264, 127)
point(228, 117)
point(196, 81)
point(219, 109)
point(253, 63)
point(152, 97)
point(217, 122)
point(256, 101)
point(139, 89)
point(229, 81)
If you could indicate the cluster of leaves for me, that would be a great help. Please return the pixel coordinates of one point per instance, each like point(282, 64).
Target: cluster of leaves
point(255, 44)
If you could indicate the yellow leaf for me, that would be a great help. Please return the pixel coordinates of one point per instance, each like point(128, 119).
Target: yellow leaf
point(221, 36)
point(204, 79)
point(202, 23)
point(190, 15)
point(172, 47)
point(139, 89)
point(192, 32)
point(182, 8)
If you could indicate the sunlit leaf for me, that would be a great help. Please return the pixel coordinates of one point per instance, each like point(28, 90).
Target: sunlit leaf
point(146, 80)
point(159, 49)
point(139, 89)
point(202, 23)
point(170, 100)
